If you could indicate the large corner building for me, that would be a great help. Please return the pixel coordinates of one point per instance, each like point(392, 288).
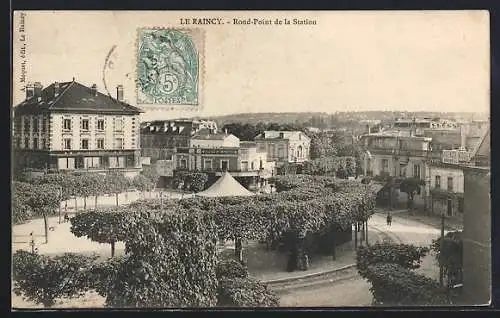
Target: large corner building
point(71, 127)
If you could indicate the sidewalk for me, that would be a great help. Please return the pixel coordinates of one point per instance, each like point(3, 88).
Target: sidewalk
point(271, 265)
point(450, 224)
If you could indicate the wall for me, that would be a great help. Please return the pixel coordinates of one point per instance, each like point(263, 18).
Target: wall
point(477, 236)
point(444, 172)
point(130, 134)
point(229, 141)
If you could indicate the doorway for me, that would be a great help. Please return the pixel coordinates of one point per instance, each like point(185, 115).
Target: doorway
point(449, 210)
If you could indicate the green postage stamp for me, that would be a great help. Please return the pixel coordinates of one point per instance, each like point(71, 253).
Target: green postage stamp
point(169, 66)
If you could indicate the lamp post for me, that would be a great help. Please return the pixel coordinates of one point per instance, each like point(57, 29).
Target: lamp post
point(441, 268)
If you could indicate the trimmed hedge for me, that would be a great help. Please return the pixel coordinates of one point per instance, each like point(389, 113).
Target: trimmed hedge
point(394, 285)
point(244, 292)
point(231, 268)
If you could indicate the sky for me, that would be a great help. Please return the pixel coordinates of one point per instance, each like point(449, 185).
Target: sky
point(347, 61)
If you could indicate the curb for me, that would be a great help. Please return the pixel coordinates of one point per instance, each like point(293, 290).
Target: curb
point(311, 275)
point(314, 275)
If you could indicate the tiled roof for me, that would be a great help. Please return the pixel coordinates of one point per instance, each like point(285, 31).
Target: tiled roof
point(74, 97)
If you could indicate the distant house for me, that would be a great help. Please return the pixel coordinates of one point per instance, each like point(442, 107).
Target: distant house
point(72, 127)
point(159, 138)
point(284, 146)
point(217, 153)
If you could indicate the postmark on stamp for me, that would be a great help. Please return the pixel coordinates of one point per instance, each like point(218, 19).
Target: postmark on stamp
point(169, 66)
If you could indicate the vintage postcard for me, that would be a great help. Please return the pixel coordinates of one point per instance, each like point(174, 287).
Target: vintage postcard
point(197, 159)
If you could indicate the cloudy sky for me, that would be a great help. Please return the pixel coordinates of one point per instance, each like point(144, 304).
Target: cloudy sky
point(431, 61)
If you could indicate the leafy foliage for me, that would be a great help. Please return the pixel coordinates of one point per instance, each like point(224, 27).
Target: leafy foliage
point(449, 254)
point(244, 292)
point(171, 261)
point(21, 210)
point(389, 268)
point(411, 186)
point(191, 181)
point(102, 226)
point(393, 285)
point(230, 268)
point(44, 280)
point(404, 255)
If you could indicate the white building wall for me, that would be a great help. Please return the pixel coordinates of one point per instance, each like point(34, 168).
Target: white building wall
point(445, 172)
point(129, 135)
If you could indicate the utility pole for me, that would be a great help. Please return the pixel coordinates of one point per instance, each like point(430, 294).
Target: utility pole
point(441, 268)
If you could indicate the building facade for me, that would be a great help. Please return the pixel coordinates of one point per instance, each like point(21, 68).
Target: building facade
point(284, 146)
point(446, 189)
point(160, 138)
point(217, 153)
point(71, 127)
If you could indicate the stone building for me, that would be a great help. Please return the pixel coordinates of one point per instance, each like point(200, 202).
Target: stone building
point(69, 126)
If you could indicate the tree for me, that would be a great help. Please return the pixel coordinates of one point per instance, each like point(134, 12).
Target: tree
point(411, 186)
point(449, 254)
point(44, 280)
point(21, 210)
point(170, 262)
point(116, 183)
point(44, 200)
point(142, 183)
point(102, 226)
point(151, 173)
point(322, 145)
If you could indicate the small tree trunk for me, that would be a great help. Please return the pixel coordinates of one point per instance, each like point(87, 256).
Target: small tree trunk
point(76, 205)
point(238, 249)
point(112, 249)
point(84, 203)
point(46, 224)
point(356, 235)
point(95, 202)
point(116, 196)
point(60, 212)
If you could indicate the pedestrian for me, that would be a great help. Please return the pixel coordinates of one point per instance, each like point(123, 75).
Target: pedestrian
point(66, 218)
point(389, 219)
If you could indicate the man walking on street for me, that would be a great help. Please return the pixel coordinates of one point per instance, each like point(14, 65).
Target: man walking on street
point(389, 219)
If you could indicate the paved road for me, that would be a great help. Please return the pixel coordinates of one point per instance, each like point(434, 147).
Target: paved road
point(353, 290)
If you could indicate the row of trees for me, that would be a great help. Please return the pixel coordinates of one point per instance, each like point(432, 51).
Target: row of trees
point(41, 196)
point(170, 261)
point(302, 204)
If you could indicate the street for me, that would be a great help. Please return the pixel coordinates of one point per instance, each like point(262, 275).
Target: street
point(355, 291)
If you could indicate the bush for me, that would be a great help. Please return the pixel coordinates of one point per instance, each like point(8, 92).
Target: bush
point(244, 292)
point(404, 255)
point(450, 256)
point(231, 268)
point(44, 280)
point(394, 285)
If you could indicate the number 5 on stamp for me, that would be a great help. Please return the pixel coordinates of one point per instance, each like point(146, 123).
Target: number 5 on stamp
point(169, 66)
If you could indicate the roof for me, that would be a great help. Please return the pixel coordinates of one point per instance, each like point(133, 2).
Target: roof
point(286, 133)
point(204, 136)
point(167, 127)
point(74, 97)
point(483, 147)
point(225, 186)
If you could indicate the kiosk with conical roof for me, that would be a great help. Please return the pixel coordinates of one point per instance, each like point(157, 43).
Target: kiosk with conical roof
point(225, 186)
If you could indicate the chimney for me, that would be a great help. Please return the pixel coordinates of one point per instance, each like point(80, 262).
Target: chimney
point(38, 90)
point(56, 89)
point(93, 89)
point(463, 136)
point(119, 93)
point(30, 91)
